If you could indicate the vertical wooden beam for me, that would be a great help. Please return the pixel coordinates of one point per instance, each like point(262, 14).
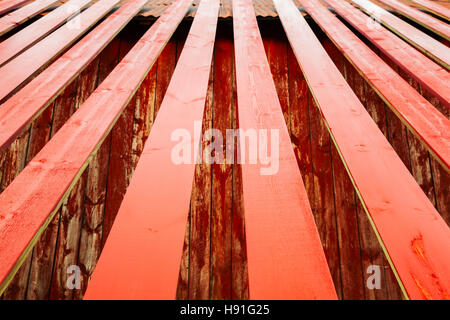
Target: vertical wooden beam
point(222, 173)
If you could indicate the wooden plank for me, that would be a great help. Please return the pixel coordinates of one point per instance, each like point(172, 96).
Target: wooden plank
point(96, 185)
point(87, 128)
point(157, 225)
point(201, 213)
point(179, 38)
point(300, 123)
point(16, 18)
point(425, 20)
point(285, 256)
point(66, 253)
point(26, 37)
point(422, 118)
point(434, 8)
point(8, 5)
point(222, 173)
point(36, 96)
point(434, 78)
point(74, 211)
point(239, 263)
point(407, 225)
point(14, 73)
point(39, 135)
point(432, 48)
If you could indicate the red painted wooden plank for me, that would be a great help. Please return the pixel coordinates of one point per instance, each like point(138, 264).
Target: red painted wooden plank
point(410, 230)
point(39, 29)
point(42, 264)
point(434, 8)
point(425, 20)
point(422, 118)
point(29, 62)
point(36, 96)
point(434, 49)
point(25, 215)
point(147, 237)
point(434, 78)
point(16, 18)
point(8, 5)
point(285, 256)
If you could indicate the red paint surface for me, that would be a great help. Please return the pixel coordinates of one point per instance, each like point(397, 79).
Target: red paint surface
point(141, 258)
point(434, 8)
point(433, 77)
point(18, 111)
point(400, 211)
point(424, 119)
point(8, 5)
point(424, 19)
point(285, 256)
point(39, 29)
point(423, 42)
point(29, 200)
point(29, 62)
point(14, 19)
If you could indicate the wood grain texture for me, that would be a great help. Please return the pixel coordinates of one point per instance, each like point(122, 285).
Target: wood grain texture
point(434, 8)
point(382, 181)
point(285, 257)
point(433, 77)
point(8, 5)
point(18, 70)
point(26, 37)
point(44, 252)
point(422, 118)
point(222, 173)
point(423, 19)
point(158, 224)
point(89, 122)
point(432, 48)
point(14, 19)
point(31, 100)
